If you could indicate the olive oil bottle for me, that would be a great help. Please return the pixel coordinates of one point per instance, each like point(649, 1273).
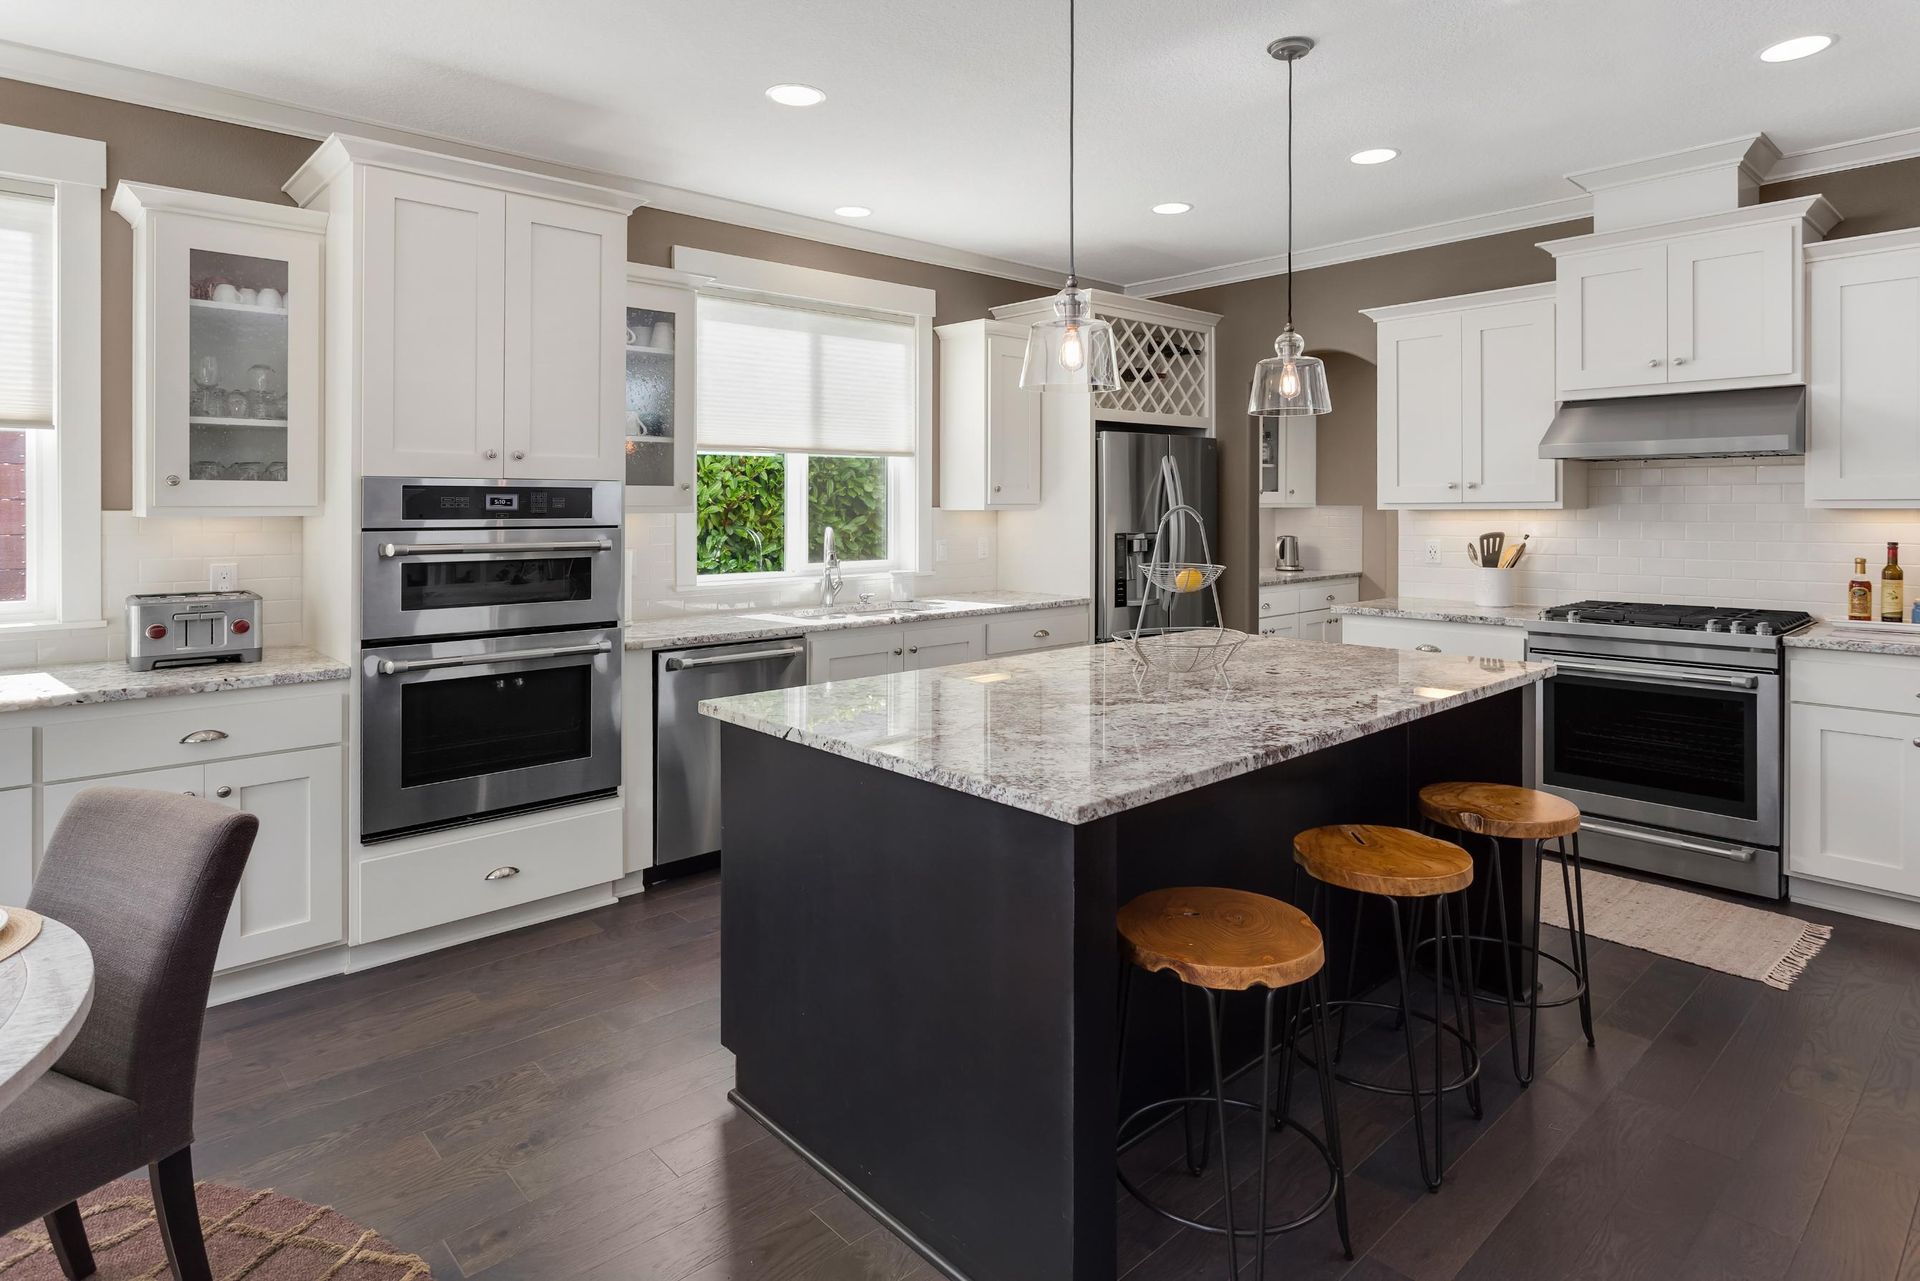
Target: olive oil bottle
point(1893, 588)
point(1860, 593)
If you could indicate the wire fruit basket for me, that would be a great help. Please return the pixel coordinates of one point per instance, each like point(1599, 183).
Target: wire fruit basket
point(1180, 648)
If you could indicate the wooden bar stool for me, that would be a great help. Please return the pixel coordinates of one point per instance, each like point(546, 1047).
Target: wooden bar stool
point(1499, 811)
point(1401, 866)
point(1218, 941)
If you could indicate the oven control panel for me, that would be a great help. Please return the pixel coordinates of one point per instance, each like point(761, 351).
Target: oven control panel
point(491, 502)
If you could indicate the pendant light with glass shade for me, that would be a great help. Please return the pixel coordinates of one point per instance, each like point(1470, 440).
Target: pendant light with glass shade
point(1289, 384)
point(1073, 349)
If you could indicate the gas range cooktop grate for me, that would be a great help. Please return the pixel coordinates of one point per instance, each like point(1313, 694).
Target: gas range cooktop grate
point(1693, 618)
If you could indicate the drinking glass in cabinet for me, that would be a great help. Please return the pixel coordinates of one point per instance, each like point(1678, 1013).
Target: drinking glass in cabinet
point(649, 448)
point(237, 346)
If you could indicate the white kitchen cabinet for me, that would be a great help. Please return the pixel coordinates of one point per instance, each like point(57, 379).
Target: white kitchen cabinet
point(1289, 461)
point(564, 352)
point(1038, 629)
point(1863, 403)
point(659, 416)
point(1285, 625)
point(989, 425)
point(292, 895)
point(1317, 625)
point(432, 370)
point(1465, 393)
point(1479, 640)
point(16, 845)
point(1854, 812)
point(474, 314)
point(1703, 304)
point(1303, 611)
point(854, 652)
point(944, 644)
point(226, 353)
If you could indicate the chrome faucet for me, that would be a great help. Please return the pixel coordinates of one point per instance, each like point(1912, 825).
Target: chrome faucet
point(830, 580)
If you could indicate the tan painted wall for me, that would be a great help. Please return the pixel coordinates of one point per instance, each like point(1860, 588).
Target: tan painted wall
point(147, 145)
point(1327, 303)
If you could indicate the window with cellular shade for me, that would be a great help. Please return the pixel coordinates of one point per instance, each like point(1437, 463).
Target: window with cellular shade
point(26, 310)
point(777, 379)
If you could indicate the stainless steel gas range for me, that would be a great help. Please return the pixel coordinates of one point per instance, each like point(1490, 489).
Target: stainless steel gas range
point(1665, 725)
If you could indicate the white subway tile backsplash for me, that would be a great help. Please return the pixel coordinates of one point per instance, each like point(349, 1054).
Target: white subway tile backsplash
point(1724, 533)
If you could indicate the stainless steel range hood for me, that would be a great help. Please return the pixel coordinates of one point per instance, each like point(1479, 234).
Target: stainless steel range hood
point(1746, 423)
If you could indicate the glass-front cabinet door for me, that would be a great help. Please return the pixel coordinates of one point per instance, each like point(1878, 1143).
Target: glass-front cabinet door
point(660, 399)
point(227, 353)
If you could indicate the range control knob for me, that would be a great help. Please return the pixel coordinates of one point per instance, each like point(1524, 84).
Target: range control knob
point(1763, 628)
point(1716, 624)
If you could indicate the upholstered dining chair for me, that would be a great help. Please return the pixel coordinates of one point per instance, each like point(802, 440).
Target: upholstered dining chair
point(146, 879)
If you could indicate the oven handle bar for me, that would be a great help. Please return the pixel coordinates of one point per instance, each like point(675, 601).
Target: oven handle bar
point(684, 664)
point(1734, 853)
point(1675, 675)
point(388, 551)
point(400, 666)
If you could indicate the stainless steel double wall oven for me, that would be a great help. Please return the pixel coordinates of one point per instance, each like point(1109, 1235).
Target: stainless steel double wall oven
point(490, 648)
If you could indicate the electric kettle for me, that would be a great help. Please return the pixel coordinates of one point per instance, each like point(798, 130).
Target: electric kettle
point(1286, 553)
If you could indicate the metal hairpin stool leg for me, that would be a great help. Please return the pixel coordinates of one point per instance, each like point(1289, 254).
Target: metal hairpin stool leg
point(1404, 869)
point(1496, 811)
point(1216, 941)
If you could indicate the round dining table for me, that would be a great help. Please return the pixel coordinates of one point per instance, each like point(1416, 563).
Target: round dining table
point(46, 989)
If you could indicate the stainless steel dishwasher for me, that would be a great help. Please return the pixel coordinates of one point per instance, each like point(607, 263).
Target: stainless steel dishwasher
point(686, 745)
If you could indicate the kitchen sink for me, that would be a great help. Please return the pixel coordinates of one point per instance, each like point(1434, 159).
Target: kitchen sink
point(857, 611)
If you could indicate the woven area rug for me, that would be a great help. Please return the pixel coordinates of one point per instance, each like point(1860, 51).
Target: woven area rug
point(1729, 937)
point(261, 1236)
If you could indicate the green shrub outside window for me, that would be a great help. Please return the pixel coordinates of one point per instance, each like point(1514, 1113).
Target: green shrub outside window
point(741, 510)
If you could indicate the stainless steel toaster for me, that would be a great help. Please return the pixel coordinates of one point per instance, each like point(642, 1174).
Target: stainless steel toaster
point(172, 629)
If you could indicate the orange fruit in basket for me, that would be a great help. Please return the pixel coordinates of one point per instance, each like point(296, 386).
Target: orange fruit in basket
point(1188, 580)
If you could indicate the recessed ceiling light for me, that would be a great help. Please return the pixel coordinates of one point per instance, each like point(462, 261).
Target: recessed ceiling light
point(1173, 207)
point(1373, 156)
point(1798, 47)
point(796, 95)
point(853, 211)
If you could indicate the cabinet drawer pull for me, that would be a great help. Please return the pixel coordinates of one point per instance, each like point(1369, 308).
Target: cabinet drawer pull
point(189, 792)
point(519, 455)
point(1679, 360)
point(896, 653)
point(1329, 595)
point(223, 791)
point(1041, 633)
point(1428, 649)
point(911, 649)
point(173, 480)
point(1654, 363)
point(502, 873)
point(1453, 484)
point(204, 736)
point(490, 453)
point(1266, 606)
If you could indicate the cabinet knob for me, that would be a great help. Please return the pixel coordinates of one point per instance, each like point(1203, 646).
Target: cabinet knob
point(1453, 484)
point(1473, 484)
point(223, 791)
point(1679, 360)
point(1042, 634)
point(189, 792)
point(1654, 363)
point(1329, 595)
point(1266, 606)
point(1428, 649)
point(1290, 493)
point(173, 480)
point(996, 489)
point(490, 454)
point(912, 649)
point(519, 454)
point(685, 485)
point(896, 653)
point(501, 873)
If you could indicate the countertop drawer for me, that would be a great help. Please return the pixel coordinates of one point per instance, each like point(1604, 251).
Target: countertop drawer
point(1276, 601)
point(202, 728)
point(16, 756)
point(427, 885)
point(1042, 629)
point(1480, 640)
point(1876, 682)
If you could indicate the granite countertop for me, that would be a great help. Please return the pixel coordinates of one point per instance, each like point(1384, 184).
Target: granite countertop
point(1854, 640)
point(70, 684)
point(1286, 578)
point(1078, 734)
point(1434, 610)
point(719, 627)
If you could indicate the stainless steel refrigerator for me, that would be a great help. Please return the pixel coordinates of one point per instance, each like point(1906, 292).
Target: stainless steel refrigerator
point(1139, 474)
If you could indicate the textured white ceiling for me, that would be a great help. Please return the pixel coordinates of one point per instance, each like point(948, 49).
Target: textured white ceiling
point(947, 119)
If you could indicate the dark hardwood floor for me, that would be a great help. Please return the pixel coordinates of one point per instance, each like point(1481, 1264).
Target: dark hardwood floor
point(552, 1104)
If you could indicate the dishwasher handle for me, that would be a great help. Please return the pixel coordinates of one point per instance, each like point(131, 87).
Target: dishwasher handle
point(678, 664)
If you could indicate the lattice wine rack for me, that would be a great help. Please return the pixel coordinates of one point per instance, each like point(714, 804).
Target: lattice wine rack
point(1164, 372)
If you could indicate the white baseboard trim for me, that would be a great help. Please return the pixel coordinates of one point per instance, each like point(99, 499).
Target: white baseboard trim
point(631, 883)
point(291, 971)
point(1850, 901)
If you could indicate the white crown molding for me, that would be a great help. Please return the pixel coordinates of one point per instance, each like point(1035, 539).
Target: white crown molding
point(1902, 144)
point(1754, 155)
point(171, 93)
point(1393, 242)
point(1462, 302)
point(133, 201)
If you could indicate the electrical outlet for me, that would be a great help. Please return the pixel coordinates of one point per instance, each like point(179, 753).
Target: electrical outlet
point(1433, 551)
point(939, 549)
point(223, 576)
point(980, 548)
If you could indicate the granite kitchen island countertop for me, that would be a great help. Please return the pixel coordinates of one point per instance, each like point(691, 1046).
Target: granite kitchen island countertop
point(70, 684)
point(1077, 734)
